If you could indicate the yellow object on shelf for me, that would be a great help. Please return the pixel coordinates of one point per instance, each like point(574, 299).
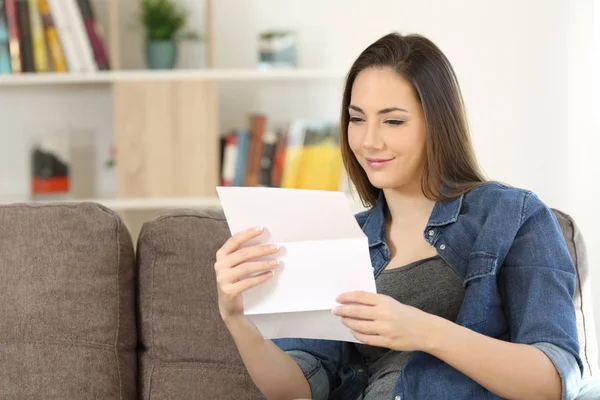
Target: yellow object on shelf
point(37, 37)
point(313, 159)
point(321, 167)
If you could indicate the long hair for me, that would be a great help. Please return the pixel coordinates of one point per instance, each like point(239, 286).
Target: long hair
point(451, 168)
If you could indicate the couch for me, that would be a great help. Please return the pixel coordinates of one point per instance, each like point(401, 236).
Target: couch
point(84, 316)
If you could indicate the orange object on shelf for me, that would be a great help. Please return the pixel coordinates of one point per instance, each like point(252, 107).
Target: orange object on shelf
point(55, 184)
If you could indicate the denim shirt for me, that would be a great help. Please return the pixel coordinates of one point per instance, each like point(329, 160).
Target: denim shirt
point(519, 283)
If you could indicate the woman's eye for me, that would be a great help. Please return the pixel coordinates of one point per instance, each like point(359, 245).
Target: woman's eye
point(395, 122)
point(355, 119)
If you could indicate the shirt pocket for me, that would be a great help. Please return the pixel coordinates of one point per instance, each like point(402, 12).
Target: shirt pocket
point(480, 288)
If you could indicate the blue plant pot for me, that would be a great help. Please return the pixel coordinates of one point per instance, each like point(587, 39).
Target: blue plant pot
point(161, 54)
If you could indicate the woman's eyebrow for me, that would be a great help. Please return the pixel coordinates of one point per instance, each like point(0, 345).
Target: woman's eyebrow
point(382, 111)
point(390, 109)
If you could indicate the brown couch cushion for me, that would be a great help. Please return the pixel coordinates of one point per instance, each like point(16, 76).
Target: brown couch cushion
point(583, 294)
point(187, 352)
point(67, 317)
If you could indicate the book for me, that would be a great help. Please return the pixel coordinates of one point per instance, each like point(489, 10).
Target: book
point(229, 160)
point(257, 128)
point(266, 160)
point(278, 160)
point(242, 155)
point(66, 35)
point(24, 22)
point(5, 65)
point(293, 156)
point(50, 35)
point(38, 40)
point(53, 42)
point(82, 42)
point(306, 155)
point(14, 38)
point(313, 159)
point(321, 160)
point(94, 34)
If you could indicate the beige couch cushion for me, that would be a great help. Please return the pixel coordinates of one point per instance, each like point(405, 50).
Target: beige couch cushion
point(187, 352)
point(583, 294)
point(67, 323)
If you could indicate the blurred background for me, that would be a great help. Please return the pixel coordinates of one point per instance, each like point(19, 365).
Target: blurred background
point(150, 104)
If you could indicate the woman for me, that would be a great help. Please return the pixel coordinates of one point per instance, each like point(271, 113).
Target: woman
point(475, 283)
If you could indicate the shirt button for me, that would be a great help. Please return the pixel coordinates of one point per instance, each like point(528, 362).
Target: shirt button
point(431, 232)
point(443, 247)
point(397, 398)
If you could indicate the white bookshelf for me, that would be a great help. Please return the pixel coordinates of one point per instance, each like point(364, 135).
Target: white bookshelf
point(156, 204)
point(136, 204)
point(108, 77)
point(142, 204)
point(165, 124)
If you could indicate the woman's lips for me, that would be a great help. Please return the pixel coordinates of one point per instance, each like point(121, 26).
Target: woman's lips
point(377, 162)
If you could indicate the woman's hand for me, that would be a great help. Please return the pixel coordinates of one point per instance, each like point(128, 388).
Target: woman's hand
point(379, 320)
point(236, 273)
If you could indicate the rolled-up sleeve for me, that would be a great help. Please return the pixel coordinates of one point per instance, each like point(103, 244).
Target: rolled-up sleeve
point(537, 280)
point(319, 360)
point(314, 372)
point(566, 365)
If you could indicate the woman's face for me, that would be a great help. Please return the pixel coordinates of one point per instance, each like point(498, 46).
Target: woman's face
point(386, 130)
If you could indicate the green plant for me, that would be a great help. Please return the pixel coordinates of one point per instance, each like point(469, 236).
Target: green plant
point(164, 20)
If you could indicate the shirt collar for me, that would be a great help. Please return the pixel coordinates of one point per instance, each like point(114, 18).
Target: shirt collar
point(444, 212)
point(374, 226)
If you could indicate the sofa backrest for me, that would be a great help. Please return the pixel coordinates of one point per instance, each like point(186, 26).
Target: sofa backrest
point(187, 351)
point(68, 318)
point(583, 293)
point(67, 307)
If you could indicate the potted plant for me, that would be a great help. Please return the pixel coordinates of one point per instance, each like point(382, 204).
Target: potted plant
point(163, 23)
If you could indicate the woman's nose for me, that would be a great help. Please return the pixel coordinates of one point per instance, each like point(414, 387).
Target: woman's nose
point(372, 138)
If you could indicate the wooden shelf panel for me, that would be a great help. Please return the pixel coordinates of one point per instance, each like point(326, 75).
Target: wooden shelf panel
point(168, 144)
point(107, 77)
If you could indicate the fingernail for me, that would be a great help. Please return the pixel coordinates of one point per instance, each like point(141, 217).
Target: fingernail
point(274, 262)
point(334, 310)
point(273, 247)
point(259, 228)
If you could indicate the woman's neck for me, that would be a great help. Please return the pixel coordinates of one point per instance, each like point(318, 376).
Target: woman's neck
point(406, 205)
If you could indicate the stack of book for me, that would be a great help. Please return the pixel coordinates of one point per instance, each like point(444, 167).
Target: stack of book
point(305, 156)
point(50, 36)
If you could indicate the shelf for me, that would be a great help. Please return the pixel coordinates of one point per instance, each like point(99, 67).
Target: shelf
point(107, 77)
point(140, 204)
point(153, 204)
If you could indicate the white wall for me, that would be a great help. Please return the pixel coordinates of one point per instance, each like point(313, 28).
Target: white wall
point(514, 79)
point(525, 68)
point(583, 110)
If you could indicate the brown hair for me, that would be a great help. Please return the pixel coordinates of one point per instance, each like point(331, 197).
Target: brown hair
point(451, 168)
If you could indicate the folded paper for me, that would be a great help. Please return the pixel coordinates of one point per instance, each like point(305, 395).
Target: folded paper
point(324, 253)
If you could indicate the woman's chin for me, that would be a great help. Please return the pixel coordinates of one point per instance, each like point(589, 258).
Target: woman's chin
point(384, 183)
point(388, 182)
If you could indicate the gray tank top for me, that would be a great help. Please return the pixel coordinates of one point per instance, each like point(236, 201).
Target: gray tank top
point(430, 285)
